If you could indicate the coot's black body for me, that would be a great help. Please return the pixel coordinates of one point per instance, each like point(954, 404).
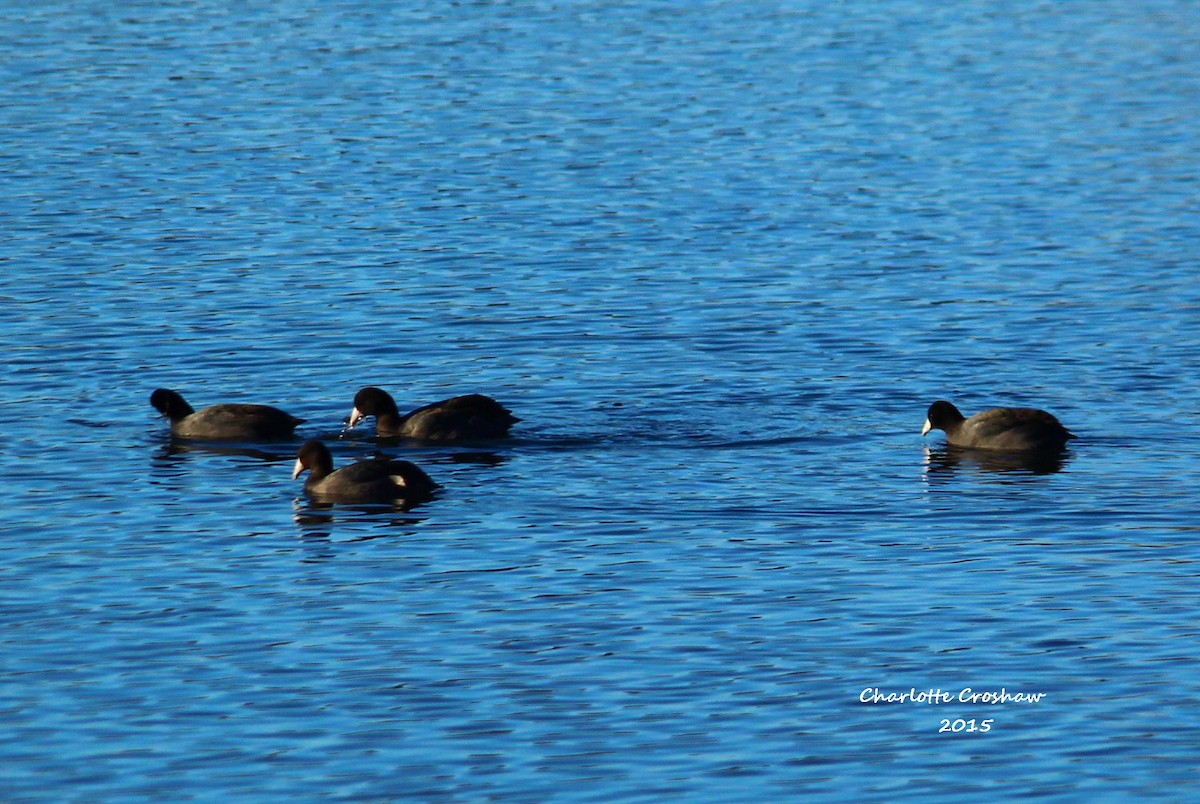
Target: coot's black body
point(459, 418)
point(374, 480)
point(224, 422)
point(1008, 429)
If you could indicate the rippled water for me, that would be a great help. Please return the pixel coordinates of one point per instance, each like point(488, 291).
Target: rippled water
point(719, 257)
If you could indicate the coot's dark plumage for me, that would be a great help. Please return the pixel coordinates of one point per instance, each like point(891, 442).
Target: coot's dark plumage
point(473, 416)
point(374, 480)
point(1010, 429)
point(226, 422)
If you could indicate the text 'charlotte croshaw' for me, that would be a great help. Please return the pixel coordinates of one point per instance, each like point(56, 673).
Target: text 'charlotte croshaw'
point(874, 695)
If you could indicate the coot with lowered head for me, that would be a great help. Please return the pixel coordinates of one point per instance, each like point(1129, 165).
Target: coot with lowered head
point(224, 422)
point(469, 417)
point(1010, 429)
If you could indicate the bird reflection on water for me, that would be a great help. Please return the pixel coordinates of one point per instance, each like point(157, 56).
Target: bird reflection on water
point(946, 461)
point(177, 449)
point(316, 517)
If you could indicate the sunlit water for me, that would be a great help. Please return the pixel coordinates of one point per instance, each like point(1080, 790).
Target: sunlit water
point(719, 258)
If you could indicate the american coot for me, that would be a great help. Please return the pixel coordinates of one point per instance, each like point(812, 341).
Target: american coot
point(1011, 429)
point(473, 416)
point(374, 480)
point(227, 422)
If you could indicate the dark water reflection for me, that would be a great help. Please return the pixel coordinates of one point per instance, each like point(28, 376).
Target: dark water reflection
point(177, 450)
point(478, 458)
point(318, 520)
point(942, 463)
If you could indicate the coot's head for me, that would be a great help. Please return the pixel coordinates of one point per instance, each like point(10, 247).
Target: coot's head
point(941, 415)
point(371, 402)
point(315, 457)
point(170, 404)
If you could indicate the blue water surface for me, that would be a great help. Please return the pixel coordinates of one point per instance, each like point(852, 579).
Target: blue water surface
point(719, 257)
